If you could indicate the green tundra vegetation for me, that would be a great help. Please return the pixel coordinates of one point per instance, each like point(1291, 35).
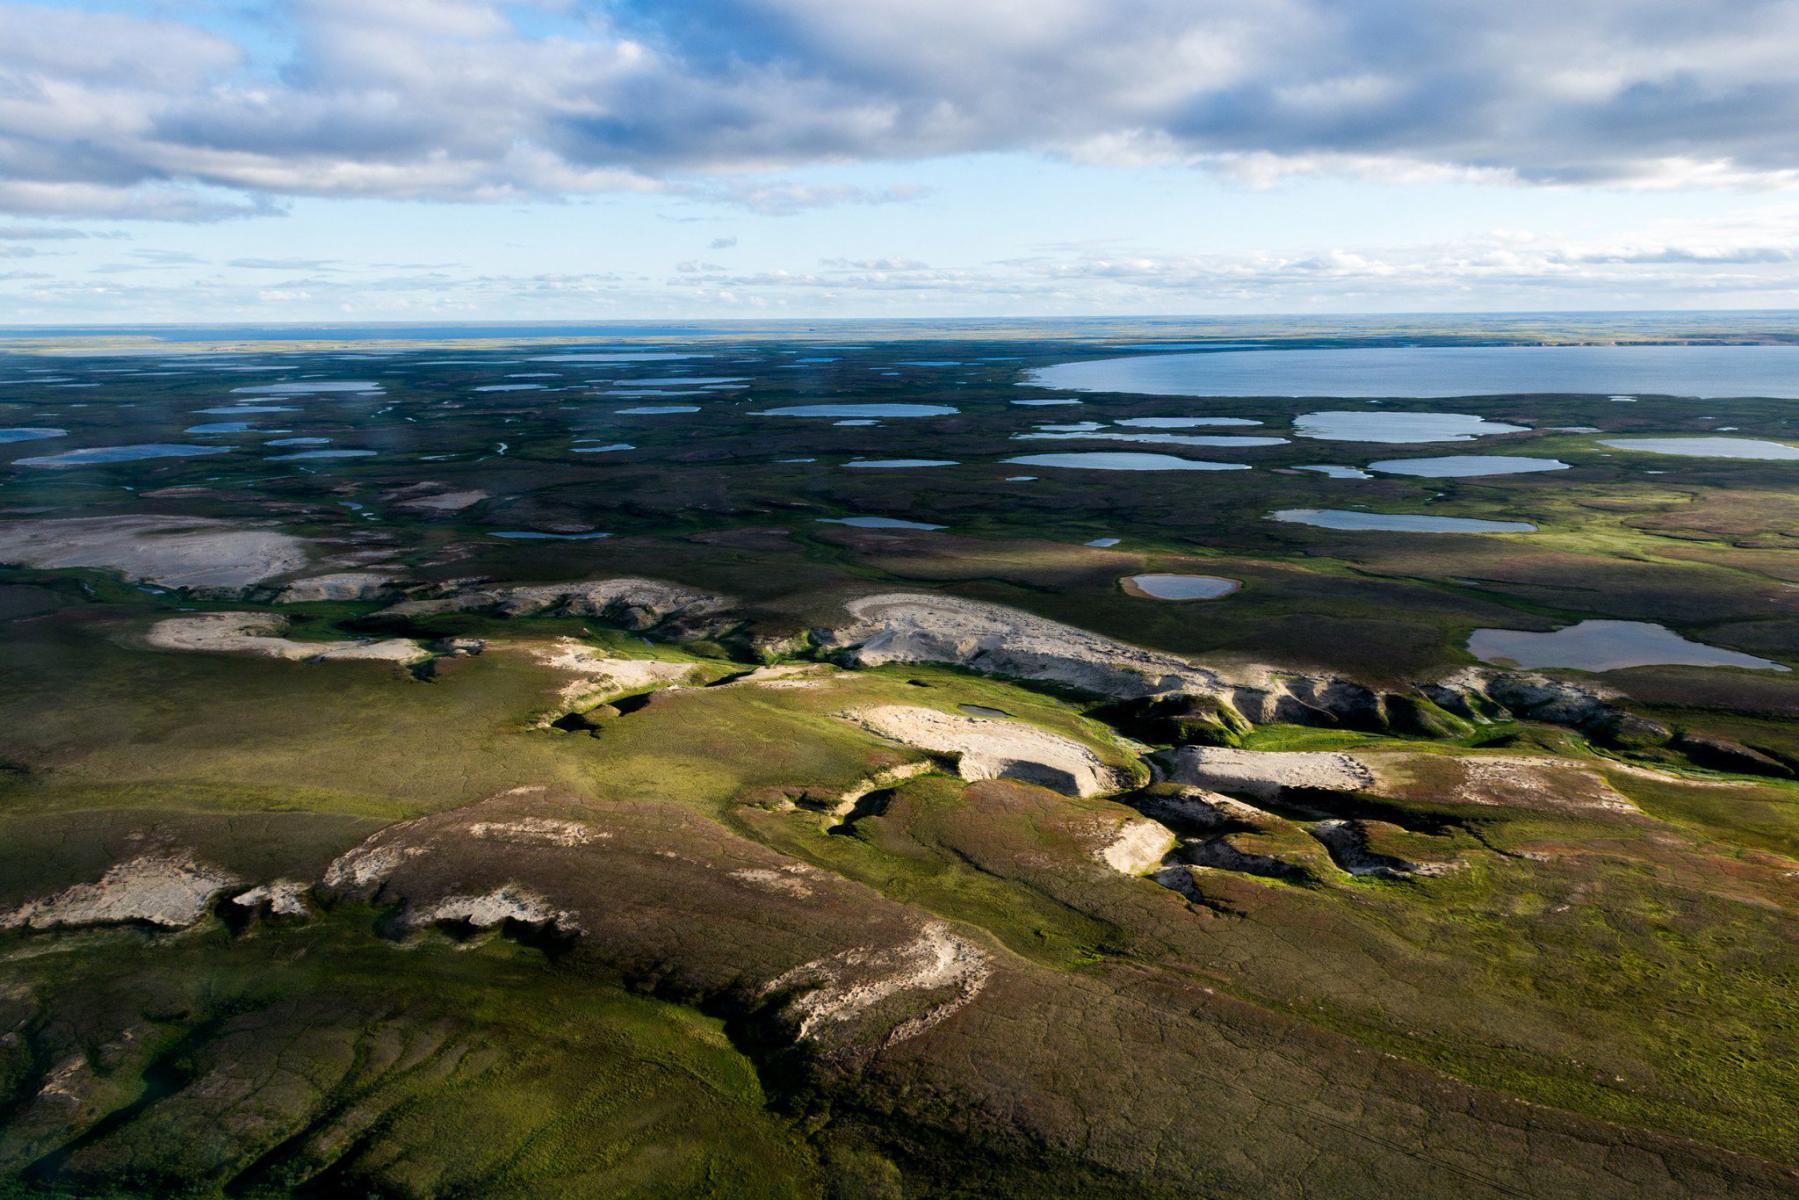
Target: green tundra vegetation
point(352, 844)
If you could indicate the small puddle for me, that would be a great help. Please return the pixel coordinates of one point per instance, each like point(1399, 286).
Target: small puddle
point(983, 710)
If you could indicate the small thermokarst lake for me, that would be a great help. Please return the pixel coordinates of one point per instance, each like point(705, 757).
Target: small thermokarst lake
point(1606, 646)
point(1179, 587)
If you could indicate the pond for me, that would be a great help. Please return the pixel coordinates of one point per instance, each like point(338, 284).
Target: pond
point(25, 433)
point(1179, 587)
point(1606, 646)
point(1395, 428)
point(877, 523)
point(322, 454)
point(1336, 471)
point(883, 464)
point(1223, 440)
point(861, 410)
point(533, 535)
point(309, 387)
point(1178, 422)
point(614, 357)
point(1465, 466)
point(1432, 371)
point(1349, 521)
point(93, 455)
point(1121, 460)
point(220, 427)
point(656, 410)
point(1709, 447)
point(608, 448)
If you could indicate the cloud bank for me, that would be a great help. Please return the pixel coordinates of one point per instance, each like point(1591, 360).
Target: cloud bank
point(104, 113)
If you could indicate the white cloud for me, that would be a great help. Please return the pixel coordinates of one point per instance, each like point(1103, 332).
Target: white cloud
point(106, 114)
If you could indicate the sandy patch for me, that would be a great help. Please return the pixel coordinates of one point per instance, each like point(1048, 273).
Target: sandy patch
point(490, 909)
point(1263, 774)
point(789, 676)
point(843, 986)
point(788, 881)
point(283, 898)
point(439, 501)
point(342, 585)
point(1138, 847)
point(259, 633)
point(536, 831)
point(601, 676)
point(171, 891)
point(990, 749)
point(995, 640)
point(177, 552)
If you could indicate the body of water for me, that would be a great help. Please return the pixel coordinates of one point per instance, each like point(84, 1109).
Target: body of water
point(1606, 646)
point(861, 410)
point(877, 523)
point(94, 455)
point(1465, 466)
point(29, 434)
point(1121, 460)
point(1434, 371)
point(1708, 447)
point(1180, 587)
point(1397, 428)
point(1352, 521)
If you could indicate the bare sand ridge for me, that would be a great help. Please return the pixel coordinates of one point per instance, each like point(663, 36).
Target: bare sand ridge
point(284, 898)
point(178, 552)
point(842, 986)
point(339, 585)
point(990, 638)
point(630, 602)
point(1139, 846)
point(989, 749)
point(1263, 774)
point(260, 633)
point(169, 890)
point(601, 677)
point(495, 908)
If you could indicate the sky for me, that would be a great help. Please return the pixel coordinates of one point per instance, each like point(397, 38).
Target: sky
point(443, 160)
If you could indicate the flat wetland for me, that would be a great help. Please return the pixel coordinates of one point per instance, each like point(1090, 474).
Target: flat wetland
point(879, 760)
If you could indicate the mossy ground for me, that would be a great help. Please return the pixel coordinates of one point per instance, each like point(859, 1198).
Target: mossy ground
point(1638, 970)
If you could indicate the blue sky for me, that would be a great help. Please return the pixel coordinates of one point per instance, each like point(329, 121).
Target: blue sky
point(183, 160)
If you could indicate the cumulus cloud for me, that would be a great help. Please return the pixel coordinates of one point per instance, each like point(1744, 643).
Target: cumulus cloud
point(108, 114)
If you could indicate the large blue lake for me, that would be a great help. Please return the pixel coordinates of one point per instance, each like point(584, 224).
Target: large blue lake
point(1425, 372)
